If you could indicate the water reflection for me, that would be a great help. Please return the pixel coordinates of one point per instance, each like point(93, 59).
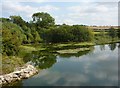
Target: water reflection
point(119, 45)
point(40, 59)
point(76, 55)
point(81, 53)
point(100, 68)
point(112, 46)
point(45, 59)
point(97, 67)
point(102, 47)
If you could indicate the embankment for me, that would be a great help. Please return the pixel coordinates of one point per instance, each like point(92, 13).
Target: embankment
point(21, 73)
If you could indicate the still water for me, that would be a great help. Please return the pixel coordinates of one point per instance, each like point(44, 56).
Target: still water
point(98, 67)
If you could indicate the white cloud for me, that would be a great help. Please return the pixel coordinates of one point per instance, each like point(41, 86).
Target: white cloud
point(86, 13)
point(20, 8)
point(48, 8)
point(94, 13)
point(92, 8)
point(25, 11)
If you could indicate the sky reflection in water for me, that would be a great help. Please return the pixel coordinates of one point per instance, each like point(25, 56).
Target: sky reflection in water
point(97, 68)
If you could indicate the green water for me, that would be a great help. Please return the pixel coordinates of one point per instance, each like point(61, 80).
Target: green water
point(98, 67)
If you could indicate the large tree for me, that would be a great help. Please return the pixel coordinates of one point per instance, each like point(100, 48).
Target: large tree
point(43, 20)
point(18, 20)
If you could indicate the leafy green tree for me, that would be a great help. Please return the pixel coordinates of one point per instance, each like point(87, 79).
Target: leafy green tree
point(55, 35)
point(81, 33)
point(43, 20)
point(31, 35)
point(18, 20)
point(12, 37)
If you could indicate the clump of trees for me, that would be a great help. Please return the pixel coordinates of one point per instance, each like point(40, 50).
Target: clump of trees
point(66, 33)
point(16, 31)
point(12, 37)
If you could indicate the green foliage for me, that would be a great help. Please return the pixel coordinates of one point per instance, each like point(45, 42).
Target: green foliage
point(18, 20)
point(81, 33)
point(43, 20)
point(118, 33)
point(36, 36)
point(4, 20)
point(31, 35)
point(15, 32)
point(36, 29)
point(102, 33)
point(10, 63)
point(112, 32)
point(56, 35)
point(12, 38)
point(67, 33)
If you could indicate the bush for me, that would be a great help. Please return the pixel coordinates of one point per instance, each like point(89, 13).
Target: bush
point(12, 37)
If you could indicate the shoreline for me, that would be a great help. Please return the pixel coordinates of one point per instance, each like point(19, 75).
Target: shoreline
point(21, 73)
point(26, 71)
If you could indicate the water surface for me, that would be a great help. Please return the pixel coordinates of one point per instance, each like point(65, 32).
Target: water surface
point(98, 67)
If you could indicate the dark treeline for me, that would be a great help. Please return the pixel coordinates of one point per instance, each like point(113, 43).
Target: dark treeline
point(16, 31)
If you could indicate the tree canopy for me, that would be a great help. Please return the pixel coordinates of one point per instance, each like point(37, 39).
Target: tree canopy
point(12, 37)
point(43, 20)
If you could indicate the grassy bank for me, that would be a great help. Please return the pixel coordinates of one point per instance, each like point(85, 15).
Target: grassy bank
point(71, 45)
point(105, 40)
point(9, 63)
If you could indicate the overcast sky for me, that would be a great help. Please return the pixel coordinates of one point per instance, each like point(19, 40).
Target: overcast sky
point(74, 12)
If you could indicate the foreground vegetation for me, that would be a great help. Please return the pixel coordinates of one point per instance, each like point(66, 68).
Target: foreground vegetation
point(10, 63)
point(20, 38)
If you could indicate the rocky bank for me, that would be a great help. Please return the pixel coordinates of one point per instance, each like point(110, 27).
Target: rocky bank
point(21, 73)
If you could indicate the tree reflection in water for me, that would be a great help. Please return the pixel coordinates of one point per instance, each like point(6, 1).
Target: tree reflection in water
point(45, 59)
point(40, 59)
point(81, 53)
point(102, 47)
point(112, 46)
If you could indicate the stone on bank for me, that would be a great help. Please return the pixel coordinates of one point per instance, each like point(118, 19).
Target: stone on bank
point(22, 73)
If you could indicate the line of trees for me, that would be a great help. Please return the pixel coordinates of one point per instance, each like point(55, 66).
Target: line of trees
point(16, 31)
point(66, 33)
